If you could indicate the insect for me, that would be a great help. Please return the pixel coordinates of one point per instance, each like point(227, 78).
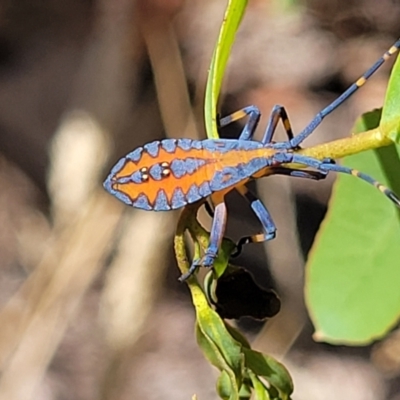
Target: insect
point(168, 174)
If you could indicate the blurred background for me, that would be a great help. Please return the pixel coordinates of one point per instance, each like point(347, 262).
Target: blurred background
point(90, 303)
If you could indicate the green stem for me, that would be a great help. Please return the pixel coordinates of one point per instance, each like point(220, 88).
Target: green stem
point(186, 221)
point(368, 140)
point(233, 15)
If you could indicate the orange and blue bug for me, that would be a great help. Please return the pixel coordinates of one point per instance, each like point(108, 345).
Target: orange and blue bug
point(169, 174)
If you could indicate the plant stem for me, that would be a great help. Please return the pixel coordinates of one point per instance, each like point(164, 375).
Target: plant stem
point(368, 140)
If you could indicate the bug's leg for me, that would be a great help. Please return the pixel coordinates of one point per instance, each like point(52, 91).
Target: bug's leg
point(329, 165)
point(298, 173)
point(248, 130)
point(216, 236)
point(295, 142)
point(209, 209)
point(278, 113)
point(261, 211)
point(263, 215)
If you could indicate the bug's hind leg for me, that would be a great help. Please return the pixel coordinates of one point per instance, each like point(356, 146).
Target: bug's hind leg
point(329, 165)
point(298, 173)
point(382, 188)
point(278, 113)
point(263, 215)
point(309, 129)
point(216, 236)
point(248, 130)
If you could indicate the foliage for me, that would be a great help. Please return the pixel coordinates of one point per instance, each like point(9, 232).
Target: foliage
point(243, 370)
point(233, 16)
point(352, 278)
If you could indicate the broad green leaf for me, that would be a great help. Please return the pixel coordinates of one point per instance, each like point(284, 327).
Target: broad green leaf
point(390, 122)
point(274, 372)
point(353, 271)
point(233, 15)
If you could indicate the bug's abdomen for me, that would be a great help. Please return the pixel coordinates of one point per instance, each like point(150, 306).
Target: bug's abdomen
point(174, 172)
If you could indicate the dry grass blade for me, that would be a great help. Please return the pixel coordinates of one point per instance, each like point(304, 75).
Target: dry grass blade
point(132, 286)
point(134, 281)
point(84, 217)
point(46, 325)
point(169, 75)
point(137, 273)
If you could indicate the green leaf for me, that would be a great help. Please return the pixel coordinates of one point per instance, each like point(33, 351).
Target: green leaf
point(353, 271)
point(275, 373)
point(216, 342)
point(260, 391)
point(224, 253)
point(233, 15)
point(245, 391)
point(227, 385)
point(214, 329)
point(224, 386)
point(390, 122)
point(210, 350)
point(237, 335)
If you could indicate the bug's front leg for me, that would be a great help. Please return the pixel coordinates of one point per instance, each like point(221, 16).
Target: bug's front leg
point(216, 234)
point(250, 127)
